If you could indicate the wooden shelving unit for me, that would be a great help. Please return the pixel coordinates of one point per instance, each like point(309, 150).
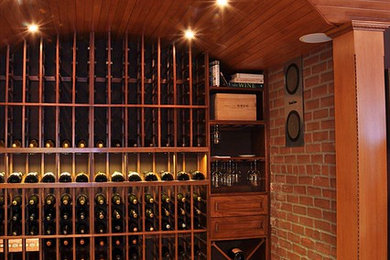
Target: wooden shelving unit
point(145, 100)
point(239, 166)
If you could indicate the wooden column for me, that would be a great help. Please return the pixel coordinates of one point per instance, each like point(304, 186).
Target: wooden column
point(360, 116)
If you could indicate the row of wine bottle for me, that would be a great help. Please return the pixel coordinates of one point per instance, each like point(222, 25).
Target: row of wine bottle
point(49, 143)
point(150, 212)
point(49, 177)
point(118, 244)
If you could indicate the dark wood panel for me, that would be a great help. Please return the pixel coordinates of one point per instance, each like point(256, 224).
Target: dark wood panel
point(246, 205)
point(238, 227)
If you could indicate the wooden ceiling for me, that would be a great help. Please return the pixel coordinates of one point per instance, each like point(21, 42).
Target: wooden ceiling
point(248, 35)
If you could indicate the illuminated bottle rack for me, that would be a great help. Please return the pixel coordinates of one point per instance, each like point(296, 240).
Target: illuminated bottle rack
point(99, 103)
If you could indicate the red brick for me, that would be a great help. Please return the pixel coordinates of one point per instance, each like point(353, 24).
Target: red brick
point(327, 101)
point(299, 210)
point(322, 203)
point(312, 233)
point(293, 237)
point(310, 61)
point(327, 124)
point(312, 126)
point(321, 182)
point(308, 222)
point(293, 256)
point(307, 201)
point(298, 230)
point(329, 216)
point(299, 249)
point(292, 198)
point(319, 91)
point(312, 81)
point(306, 242)
point(312, 104)
point(323, 248)
point(327, 76)
point(321, 136)
point(313, 191)
point(313, 148)
point(319, 67)
point(300, 189)
point(305, 180)
point(313, 255)
point(315, 213)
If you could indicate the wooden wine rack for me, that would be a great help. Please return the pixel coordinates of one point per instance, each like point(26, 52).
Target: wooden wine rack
point(149, 97)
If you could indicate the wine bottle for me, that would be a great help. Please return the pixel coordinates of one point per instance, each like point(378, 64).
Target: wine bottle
point(82, 242)
point(181, 211)
point(183, 176)
point(31, 177)
point(116, 143)
point(65, 177)
point(49, 243)
point(17, 201)
point(166, 176)
point(66, 144)
point(133, 199)
point(182, 253)
point(181, 198)
point(82, 200)
point(166, 223)
point(100, 227)
point(149, 213)
point(33, 143)
point(82, 228)
point(81, 143)
point(149, 226)
point(2, 143)
point(116, 199)
point(49, 143)
point(49, 228)
point(100, 214)
point(197, 197)
point(66, 199)
point(2, 177)
point(33, 228)
point(16, 144)
point(48, 177)
point(197, 175)
point(133, 214)
point(50, 200)
point(133, 253)
point(165, 212)
point(181, 222)
point(15, 177)
point(100, 144)
point(236, 254)
point(82, 215)
point(101, 177)
point(50, 215)
point(166, 254)
point(150, 176)
point(82, 177)
point(165, 198)
point(149, 198)
point(66, 228)
point(33, 200)
point(116, 214)
point(134, 176)
point(133, 227)
point(100, 199)
point(117, 177)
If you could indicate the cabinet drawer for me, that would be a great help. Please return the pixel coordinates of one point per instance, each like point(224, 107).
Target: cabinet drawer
point(245, 205)
point(238, 227)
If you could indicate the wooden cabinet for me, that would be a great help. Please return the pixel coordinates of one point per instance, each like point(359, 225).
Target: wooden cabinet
point(239, 199)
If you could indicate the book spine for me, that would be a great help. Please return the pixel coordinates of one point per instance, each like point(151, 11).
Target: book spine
point(214, 73)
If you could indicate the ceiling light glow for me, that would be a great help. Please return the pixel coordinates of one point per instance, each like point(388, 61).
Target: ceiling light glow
point(32, 28)
point(222, 2)
point(189, 34)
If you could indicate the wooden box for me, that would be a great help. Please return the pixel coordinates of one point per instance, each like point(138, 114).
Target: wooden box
point(234, 106)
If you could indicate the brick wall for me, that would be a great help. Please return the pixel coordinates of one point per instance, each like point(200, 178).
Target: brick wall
point(303, 196)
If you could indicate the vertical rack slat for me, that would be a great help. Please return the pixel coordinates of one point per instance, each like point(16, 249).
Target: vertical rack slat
point(192, 220)
point(74, 61)
point(40, 92)
point(143, 90)
point(24, 92)
point(126, 91)
point(174, 96)
point(91, 87)
point(57, 123)
point(190, 90)
point(159, 92)
point(109, 77)
point(23, 223)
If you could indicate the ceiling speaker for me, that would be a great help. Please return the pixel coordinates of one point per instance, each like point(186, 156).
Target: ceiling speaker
point(294, 123)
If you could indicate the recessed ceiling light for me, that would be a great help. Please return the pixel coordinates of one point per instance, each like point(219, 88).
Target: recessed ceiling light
point(189, 34)
point(222, 2)
point(32, 28)
point(315, 38)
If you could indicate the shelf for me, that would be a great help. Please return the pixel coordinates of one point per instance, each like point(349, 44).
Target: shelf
point(234, 90)
point(102, 184)
point(245, 188)
point(106, 150)
point(238, 158)
point(237, 123)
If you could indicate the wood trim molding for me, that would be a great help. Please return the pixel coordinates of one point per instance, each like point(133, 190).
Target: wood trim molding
point(357, 25)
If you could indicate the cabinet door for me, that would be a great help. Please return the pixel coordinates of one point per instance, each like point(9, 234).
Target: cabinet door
point(245, 205)
point(238, 227)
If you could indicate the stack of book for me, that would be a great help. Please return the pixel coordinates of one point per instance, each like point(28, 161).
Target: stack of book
point(247, 80)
